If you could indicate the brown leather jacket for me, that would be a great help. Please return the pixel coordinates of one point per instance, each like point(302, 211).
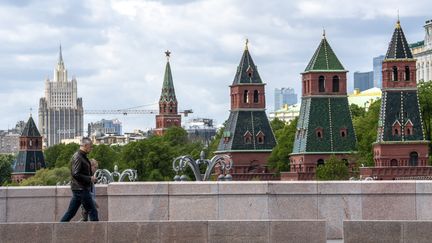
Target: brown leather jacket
point(80, 171)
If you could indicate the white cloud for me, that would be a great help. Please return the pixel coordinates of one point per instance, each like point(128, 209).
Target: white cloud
point(115, 47)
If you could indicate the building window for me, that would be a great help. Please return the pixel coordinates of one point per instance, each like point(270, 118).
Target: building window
point(393, 162)
point(320, 162)
point(395, 74)
point(396, 131)
point(407, 73)
point(255, 99)
point(336, 84)
point(246, 96)
point(343, 132)
point(321, 84)
point(319, 132)
point(413, 161)
point(260, 137)
point(247, 137)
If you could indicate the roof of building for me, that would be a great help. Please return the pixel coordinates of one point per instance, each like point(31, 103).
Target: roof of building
point(30, 130)
point(416, 44)
point(400, 107)
point(168, 91)
point(247, 72)
point(324, 59)
point(239, 124)
point(330, 116)
point(398, 47)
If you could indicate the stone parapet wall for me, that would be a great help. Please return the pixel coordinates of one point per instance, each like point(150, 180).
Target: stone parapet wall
point(252, 200)
point(387, 231)
point(312, 231)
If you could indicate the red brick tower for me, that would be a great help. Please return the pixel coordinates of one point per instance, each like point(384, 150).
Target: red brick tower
point(30, 157)
point(401, 149)
point(168, 114)
point(248, 137)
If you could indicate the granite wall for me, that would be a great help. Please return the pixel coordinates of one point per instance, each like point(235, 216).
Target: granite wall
point(253, 200)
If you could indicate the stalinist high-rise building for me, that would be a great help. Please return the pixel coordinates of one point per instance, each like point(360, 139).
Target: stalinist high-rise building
point(60, 111)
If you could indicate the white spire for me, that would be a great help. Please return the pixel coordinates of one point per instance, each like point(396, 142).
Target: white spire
point(60, 72)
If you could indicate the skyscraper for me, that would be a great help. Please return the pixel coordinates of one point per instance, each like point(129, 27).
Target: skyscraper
point(377, 71)
point(284, 96)
point(60, 111)
point(363, 81)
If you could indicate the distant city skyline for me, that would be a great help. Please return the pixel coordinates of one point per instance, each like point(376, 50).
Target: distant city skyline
point(116, 48)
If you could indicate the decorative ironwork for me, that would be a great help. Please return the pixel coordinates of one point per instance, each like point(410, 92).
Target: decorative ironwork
point(181, 163)
point(104, 176)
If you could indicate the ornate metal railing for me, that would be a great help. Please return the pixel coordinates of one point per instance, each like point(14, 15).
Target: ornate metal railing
point(181, 163)
point(104, 176)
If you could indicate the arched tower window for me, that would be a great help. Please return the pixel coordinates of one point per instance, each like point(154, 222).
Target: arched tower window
point(255, 99)
point(321, 84)
point(320, 162)
point(407, 73)
point(246, 96)
point(413, 161)
point(336, 83)
point(395, 74)
point(393, 162)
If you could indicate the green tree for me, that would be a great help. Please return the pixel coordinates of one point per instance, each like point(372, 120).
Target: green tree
point(175, 136)
point(357, 111)
point(425, 99)
point(279, 158)
point(333, 169)
point(366, 132)
point(6, 161)
point(277, 124)
point(105, 155)
point(59, 155)
point(48, 177)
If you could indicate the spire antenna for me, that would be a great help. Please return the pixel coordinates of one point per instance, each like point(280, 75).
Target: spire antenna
point(167, 54)
point(398, 20)
point(60, 54)
point(324, 33)
point(246, 44)
point(31, 112)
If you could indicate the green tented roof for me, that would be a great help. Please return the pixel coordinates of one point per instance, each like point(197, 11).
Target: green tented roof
point(324, 59)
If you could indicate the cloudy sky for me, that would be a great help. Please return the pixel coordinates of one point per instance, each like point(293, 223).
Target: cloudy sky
point(115, 48)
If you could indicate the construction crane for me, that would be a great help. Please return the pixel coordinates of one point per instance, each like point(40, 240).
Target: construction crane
point(130, 111)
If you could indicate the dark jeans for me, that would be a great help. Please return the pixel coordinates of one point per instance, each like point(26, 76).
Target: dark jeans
point(81, 197)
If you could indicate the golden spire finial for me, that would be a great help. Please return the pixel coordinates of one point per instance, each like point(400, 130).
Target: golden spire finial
point(398, 21)
point(167, 54)
point(246, 44)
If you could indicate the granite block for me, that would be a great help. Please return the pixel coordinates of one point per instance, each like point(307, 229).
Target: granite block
point(292, 206)
point(339, 187)
point(337, 208)
point(138, 188)
point(197, 207)
point(183, 231)
point(80, 232)
point(238, 231)
point(292, 187)
point(31, 191)
point(26, 232)
point(388, 187)
point(31, 209)
point(388, 207)
point(372, 231)
point(298, 231)
point(137, 208)
point(417, 231)
point(125, 232)
point(193, 188)
point(240, 207)
point(243, 187)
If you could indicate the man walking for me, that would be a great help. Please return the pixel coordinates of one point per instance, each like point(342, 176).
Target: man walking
point(82, 181)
